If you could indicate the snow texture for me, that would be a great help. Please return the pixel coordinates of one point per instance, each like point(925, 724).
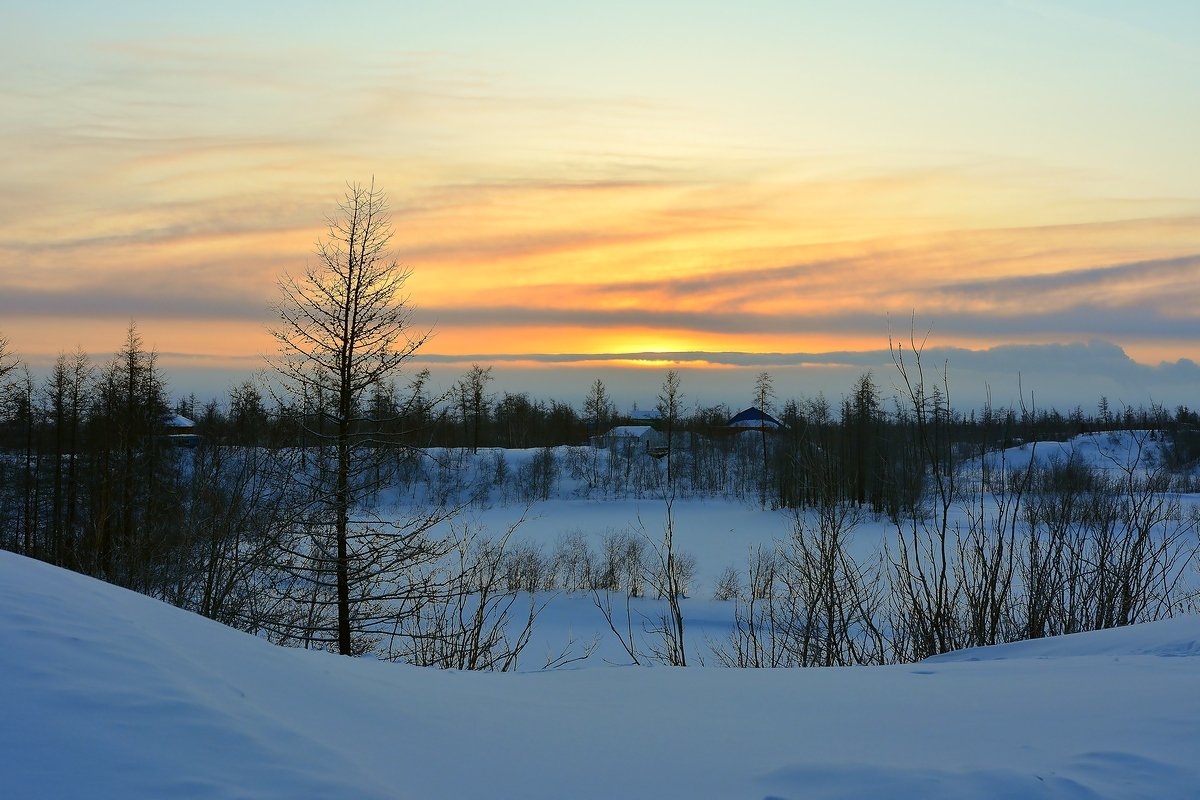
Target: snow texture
point(108, 694)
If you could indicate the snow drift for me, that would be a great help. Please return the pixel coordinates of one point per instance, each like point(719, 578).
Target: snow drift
point(108, 694)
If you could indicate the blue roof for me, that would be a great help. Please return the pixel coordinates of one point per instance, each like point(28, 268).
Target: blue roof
point(752, 418)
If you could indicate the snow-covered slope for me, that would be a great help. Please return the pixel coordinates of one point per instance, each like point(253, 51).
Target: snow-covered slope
point(1114, 452)
point(106, 694)
point(1169, 638)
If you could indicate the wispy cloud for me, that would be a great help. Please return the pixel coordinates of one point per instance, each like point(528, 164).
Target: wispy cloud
point(157, 299)
point(829, 296)
point(1114, 279)
point(1096, 356)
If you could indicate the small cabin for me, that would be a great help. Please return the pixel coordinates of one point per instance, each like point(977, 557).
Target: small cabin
point(642, 436)
point(180, 431)
point(754, 419)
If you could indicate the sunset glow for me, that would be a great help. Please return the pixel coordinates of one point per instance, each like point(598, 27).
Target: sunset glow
point(783, 178)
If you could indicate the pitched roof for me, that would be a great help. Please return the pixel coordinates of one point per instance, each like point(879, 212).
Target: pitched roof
point(753, 418)
point(633, 431)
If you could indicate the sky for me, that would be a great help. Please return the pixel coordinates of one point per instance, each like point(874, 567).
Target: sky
point(710, 182)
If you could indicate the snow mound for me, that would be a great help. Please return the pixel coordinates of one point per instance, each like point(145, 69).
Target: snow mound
point(107, 694)
point(1112, 452)
point(1178, 637)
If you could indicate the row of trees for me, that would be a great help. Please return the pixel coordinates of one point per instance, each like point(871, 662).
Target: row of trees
point(85, 474)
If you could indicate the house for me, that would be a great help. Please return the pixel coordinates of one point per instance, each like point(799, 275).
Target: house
point(642, 436)
point(180, 430)
point(754, 419)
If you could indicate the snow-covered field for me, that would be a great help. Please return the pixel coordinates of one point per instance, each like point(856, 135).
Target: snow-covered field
point(721, 533)
point(108, 694)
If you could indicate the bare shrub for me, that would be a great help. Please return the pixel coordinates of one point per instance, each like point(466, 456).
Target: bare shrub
point(729, 585)
point(526, 568)
point(622, 564)
point(468, 618)
point(573, 562)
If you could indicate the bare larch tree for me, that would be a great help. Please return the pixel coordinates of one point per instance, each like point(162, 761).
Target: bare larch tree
point(345, 327)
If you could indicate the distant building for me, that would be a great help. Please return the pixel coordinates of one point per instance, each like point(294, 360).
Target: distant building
point(754, 419)
point(644, 415)
point(637, 435)
point(181, 431)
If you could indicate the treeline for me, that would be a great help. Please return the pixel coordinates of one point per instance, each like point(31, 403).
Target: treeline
point(87, 481)
point(90, 474)
point(230, 521)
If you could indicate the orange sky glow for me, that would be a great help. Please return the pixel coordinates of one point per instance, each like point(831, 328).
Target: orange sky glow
point(790, 180)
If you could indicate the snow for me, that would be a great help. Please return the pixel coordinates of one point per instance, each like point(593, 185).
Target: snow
point(108, 694)
point(1117, 453)
point(1167, 638)
point(630, 431)
point(178, 421)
